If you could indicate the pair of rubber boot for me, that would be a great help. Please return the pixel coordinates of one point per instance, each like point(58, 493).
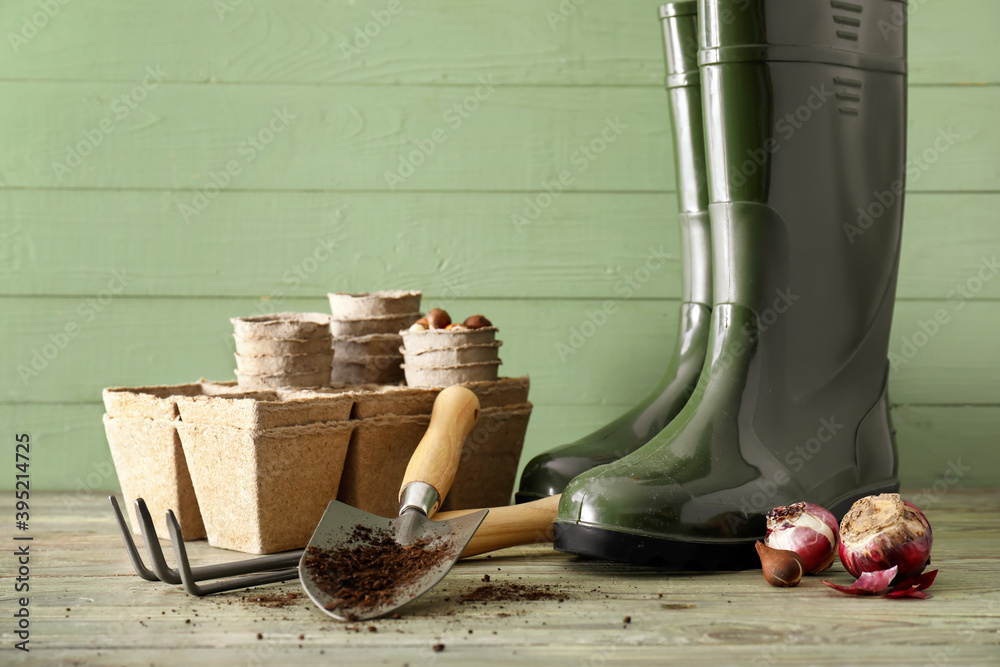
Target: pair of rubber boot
point(789, 121)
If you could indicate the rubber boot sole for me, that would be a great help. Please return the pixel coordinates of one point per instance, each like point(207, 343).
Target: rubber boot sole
point(658, 551)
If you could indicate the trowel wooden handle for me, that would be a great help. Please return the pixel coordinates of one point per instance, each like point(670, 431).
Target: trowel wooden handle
point(511, 526)
point(455, 412)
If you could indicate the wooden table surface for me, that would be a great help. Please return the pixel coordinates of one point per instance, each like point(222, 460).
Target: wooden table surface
point(87, 607)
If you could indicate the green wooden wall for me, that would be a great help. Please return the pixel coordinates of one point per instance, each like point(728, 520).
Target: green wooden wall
point(165, 166)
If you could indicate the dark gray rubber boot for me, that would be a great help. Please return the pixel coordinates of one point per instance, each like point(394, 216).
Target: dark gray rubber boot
point(805, 114)
point(547, 474)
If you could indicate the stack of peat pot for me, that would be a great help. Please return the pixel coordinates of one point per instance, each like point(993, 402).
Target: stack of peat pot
point(439, 356)
point(283, 350)
point(366, 336)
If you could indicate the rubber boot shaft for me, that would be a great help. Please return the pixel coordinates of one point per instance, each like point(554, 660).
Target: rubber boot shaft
point(805, 108)
point(548, 473)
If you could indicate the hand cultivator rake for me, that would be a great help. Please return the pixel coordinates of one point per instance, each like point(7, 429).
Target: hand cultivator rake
point(265, 570)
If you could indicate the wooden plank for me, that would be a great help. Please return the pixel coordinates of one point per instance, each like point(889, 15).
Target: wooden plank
point(149, 341)
point(439, 42)
point(584, 245)
point(254, 243)
point(183, 136)
point(70, 451)
point(515, 139)
point(725, 618)
point(941, 444)
point(945, 245)
point(138, 341)
point(647, 650)
point(921, 360)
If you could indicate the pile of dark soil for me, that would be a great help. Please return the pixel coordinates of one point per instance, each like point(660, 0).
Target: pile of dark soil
point(375, 570)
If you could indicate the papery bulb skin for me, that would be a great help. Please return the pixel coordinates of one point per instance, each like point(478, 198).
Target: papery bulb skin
point(882, 531)
point(809, 530)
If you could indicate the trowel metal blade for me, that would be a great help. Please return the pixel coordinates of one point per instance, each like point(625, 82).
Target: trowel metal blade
point(335, 531)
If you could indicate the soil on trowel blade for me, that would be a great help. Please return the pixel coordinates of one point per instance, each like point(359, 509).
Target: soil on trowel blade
point(374, 570)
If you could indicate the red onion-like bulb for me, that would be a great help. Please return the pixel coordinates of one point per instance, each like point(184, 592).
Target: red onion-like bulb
point(807, 529)
point(882, 531)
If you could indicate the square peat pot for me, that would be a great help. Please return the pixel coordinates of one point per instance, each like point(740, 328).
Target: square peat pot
point(263, 491)
point(141, 428)
point(265, 410)
point(379, 401)
point(150, 465)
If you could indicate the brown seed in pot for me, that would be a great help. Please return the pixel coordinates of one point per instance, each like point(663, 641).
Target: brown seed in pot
point(477, 322)
point(438, 319)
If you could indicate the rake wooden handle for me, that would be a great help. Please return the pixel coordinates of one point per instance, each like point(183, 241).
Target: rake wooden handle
point(511, 526)
point(435, 461)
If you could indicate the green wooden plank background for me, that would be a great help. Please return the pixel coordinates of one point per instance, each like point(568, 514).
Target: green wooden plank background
point(311, 210)
point(475, 250)
point(348, 137)
point(439, 42)
point(138, 341)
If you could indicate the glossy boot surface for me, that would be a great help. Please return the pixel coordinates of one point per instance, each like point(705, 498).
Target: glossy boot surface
point(547, 474)
point(805, 112)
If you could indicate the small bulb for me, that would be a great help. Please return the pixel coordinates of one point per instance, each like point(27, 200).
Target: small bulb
point(781, 568)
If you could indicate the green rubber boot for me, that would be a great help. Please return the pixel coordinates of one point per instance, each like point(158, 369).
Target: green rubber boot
point(547, 474)
point(805, 118)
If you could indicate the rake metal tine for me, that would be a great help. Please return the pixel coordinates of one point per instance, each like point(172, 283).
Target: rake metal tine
point(133, 553)
point(204, 572)
point(229, 585)
point(153, 548)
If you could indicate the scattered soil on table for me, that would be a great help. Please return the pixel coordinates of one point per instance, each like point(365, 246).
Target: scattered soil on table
point(508, 592)
point(273, 600)
point(374, 569)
